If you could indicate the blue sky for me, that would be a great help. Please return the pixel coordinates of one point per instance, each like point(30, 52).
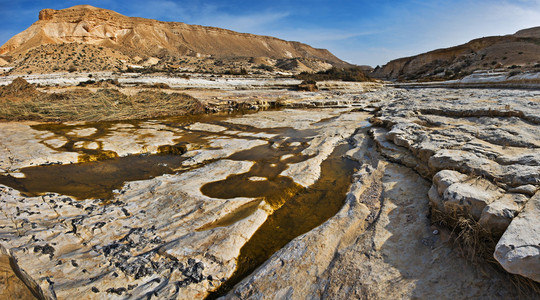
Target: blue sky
point(360, 32)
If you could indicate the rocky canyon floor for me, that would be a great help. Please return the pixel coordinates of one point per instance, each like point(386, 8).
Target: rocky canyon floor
point(343, 193)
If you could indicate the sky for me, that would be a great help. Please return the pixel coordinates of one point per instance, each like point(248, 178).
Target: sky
point(360, 32)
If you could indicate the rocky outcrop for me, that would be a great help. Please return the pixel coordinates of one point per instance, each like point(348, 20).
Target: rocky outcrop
point(467, 152)
point(518, 251)
point(458, 194)
point(15, 283)
point(379, 246)
point(516, 51)
point(150, 38)
point(159, 236)
point(479, 148)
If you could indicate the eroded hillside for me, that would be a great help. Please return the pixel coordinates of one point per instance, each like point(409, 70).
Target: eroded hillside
point(123, 41)
point(516, 52)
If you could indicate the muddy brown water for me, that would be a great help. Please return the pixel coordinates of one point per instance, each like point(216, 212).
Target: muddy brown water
point(96, 179)
point(296, 209)
point(301, 211)
point(100, 172)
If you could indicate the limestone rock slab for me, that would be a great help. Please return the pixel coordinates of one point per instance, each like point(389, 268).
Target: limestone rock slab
point(518, 251)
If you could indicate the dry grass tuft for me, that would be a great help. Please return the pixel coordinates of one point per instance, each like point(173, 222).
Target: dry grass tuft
point(478, 245)
point(473, 241)
point(82, 105)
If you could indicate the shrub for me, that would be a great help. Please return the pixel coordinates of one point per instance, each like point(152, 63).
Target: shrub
point(345, 74)
point(266, 68)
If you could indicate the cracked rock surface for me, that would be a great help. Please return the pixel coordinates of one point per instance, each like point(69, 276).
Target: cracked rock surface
point(481, 150)
point(153, 237)
point(469, 152)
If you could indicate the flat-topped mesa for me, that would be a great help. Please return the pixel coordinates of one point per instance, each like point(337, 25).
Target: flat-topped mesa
point(145, 37)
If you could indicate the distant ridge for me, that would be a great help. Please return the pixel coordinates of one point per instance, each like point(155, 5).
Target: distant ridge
point(139, 38)
point(519, 51)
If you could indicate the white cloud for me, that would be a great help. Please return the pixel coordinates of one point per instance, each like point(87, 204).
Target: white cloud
point(443, 25)
point(252, 23)
point(319, 35)
point(201, 13)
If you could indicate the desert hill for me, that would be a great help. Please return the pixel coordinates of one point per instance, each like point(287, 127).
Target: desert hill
point(519, 51)
point(139, 40)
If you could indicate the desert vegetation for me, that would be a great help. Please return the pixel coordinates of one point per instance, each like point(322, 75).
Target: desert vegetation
point(345, 74)
point(22, 101)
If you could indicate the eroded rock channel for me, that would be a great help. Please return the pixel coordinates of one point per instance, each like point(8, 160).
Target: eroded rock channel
point(170, 221)
point(297, 203)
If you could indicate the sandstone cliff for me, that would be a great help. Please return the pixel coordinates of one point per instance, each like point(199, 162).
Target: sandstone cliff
point(140, 38)
point(520, 51)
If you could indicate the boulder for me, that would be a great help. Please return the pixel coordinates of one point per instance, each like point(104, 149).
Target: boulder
point(453, 192)
point(518, 251)
point(497, 216)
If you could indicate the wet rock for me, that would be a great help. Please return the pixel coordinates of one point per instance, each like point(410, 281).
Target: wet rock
point(346, 258)
point(15, 283)
point(518, 250)
point(177, 149)
point(151, 245)
point(146, 138)
point(121, 249)
point(22, 147)
point(206, 127)
point(83, 131)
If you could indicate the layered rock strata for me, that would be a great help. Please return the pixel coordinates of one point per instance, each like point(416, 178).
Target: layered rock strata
point(481, 150)
point(471, 153)
point(146, 41)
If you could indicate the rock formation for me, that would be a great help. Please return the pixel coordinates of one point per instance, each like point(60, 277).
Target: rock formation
point(466, 153)
point(138, 39)
point(519, 52)
point(518, 250)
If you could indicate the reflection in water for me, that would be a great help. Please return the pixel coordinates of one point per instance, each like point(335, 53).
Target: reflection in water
point(268, 165)
point(92, 179)
point(99, 171)
point(301, 212)
point(296, 210)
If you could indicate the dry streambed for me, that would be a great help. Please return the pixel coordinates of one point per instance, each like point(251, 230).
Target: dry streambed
point(226, 192)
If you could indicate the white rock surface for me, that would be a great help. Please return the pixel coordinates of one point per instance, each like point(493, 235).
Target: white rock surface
point(83, 131)
point(393, 254)
point(518, 251)
point(21, 147)
point(73, 246)
point(206, 127)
